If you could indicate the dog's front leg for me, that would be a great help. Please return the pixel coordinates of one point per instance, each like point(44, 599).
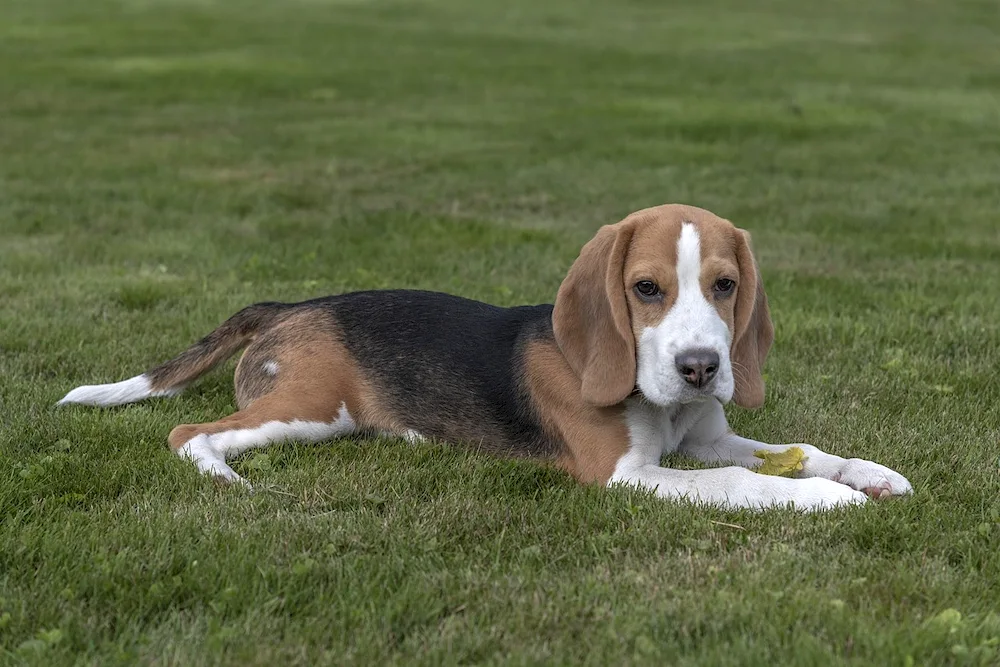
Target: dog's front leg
point(710, 440)
point(735, 487)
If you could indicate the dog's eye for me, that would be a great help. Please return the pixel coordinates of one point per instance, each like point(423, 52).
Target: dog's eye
point(647, 288)
point(724, 286)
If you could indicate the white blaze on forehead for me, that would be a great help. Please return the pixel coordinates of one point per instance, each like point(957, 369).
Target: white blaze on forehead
point(688, 261)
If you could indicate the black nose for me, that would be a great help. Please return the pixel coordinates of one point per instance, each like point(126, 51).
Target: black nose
point(697, 367)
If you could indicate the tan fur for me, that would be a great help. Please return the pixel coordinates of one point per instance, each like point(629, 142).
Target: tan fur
point(591, 320)
point(594, 437)
point(316, 376)
point(652, 256)
point(754, 332)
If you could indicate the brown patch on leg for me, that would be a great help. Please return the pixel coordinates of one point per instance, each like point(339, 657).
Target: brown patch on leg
point(274, 407)
point(593, 438)
point(318, 374)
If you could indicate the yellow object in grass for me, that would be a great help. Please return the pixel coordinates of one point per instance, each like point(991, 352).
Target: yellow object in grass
point(783, 464)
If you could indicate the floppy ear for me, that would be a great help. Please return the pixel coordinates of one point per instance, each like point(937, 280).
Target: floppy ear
point(754, 332)
point(591, 320)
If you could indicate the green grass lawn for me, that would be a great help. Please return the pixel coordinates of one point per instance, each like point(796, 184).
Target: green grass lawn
point(166, 162)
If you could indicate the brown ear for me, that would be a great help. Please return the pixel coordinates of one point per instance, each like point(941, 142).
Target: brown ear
point(591, 319)
point(754, 332)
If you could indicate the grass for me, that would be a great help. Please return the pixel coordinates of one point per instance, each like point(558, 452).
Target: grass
point(165, 162)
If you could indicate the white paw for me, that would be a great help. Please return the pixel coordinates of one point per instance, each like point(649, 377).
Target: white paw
point(210, 462)
point(229, 477)
point(874, 479)
point(816, 493)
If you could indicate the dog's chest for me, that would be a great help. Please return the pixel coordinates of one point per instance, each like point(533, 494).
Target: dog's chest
point(663, 427)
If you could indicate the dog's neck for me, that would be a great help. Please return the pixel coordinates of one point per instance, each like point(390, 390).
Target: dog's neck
point(663, 424)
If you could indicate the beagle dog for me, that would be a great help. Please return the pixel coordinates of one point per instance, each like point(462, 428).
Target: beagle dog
point(660, 321)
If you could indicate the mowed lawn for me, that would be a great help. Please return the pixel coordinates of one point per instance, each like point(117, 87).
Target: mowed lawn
point(164, 163)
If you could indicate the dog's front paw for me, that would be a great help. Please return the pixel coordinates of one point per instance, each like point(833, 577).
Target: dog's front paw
point(817, 493)
point(872, 478)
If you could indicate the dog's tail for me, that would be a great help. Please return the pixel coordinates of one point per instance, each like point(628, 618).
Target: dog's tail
point(172, 377)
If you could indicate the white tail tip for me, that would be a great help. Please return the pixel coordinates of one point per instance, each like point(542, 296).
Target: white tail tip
point(117, 393)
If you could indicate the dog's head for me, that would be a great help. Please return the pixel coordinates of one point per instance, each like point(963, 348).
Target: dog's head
point(669, 301)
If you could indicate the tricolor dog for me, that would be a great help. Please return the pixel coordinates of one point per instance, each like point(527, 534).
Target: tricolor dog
point(660, 321)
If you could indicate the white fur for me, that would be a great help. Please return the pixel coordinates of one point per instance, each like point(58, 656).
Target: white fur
point(691, 323)
point(711, 440)
point(208, 459)
point(674, 416)
point(699, 430)
point(412, 437)
point(209, 452)
point(271, 368)
point(654, 431)
point(117, 393)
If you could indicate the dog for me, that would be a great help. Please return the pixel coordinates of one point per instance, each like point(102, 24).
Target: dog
point(660, 321)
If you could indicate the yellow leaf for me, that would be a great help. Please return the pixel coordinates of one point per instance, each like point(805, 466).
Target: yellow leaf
point(783, 463)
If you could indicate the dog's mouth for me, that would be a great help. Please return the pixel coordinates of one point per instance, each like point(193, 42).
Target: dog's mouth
point(666, 399)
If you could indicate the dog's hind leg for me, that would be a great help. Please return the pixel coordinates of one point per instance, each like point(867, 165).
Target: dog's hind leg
point(295, 382)
point(272, 418)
